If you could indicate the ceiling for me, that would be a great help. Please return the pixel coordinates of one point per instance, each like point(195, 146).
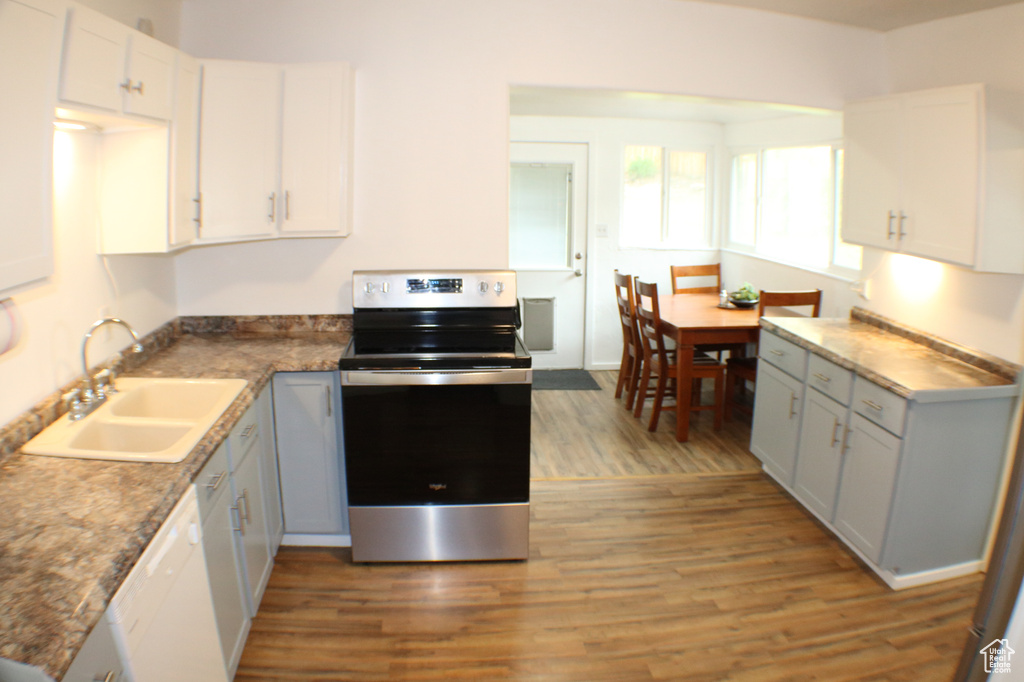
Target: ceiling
point(878, 15)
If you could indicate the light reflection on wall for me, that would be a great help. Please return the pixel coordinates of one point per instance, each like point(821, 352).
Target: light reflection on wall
point(63, 161)
point(917, 280)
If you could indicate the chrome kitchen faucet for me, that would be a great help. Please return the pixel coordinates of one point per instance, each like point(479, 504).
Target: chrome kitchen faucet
point(96, 389)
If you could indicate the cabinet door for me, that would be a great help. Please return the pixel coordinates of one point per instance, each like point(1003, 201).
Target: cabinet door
point(315, 149)
point(97, 659)
point(150, 73)
point(95, 53)
point(941, 173)
point(230, 603)
point(820, 454)
point(252, 535)
point(871, 173)
point(185, 153)
point(305, 414)
point(269, 472)
point(777, 406)
point(866, 488)
point(238, 152)
point(30, 35)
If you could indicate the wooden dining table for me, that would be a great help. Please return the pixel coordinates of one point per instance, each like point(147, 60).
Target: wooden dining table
point(696, 319)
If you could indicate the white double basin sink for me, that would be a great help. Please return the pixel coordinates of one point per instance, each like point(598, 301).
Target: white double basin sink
point(147, 420)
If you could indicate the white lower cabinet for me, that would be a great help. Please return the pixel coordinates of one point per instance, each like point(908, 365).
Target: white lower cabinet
point(307, 417)
point(778, 405)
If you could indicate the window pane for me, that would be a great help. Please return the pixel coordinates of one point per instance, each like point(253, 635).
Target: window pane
point(743, 200)
point(641, 196)
point(687, 199)
point(539, 226)
point(847, 255)
point(796, 209)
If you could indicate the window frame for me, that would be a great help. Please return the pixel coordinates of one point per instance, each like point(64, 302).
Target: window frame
point(757, 249)
point(708, 241)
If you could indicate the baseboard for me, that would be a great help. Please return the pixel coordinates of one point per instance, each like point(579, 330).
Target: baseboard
point(902, 582)
point(315, 540)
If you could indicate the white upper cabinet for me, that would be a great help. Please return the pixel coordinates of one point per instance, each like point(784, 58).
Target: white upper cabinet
point(275, 150)
point(185, 153)
point(30, 35)
point(240, 127)
point(114, 68)
point(938, 174)
point(316, 140)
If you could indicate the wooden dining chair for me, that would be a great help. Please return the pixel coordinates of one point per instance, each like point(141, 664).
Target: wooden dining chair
point(702, 271)
point(739, 371)
point(632, 354)
point(659, 365)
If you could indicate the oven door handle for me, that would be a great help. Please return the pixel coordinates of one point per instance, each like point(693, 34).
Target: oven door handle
point(436, 378)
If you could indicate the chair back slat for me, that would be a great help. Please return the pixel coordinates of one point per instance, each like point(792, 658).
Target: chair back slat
point(624, 299)
point(648, 317)
point(789, 299)
point(705, 271)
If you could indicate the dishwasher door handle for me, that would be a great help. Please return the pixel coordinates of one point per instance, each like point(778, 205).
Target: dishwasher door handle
point(435, 378)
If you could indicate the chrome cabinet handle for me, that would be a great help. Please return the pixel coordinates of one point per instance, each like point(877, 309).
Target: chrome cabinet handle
point(835, 433)
point(137, 88)
point(247, 431)
point(892, 233)
point(903, 233)
point(273, 206)
point(245, 498)
point(126, 86)
point(111, 676)
point(776, 353)
point(792, 405)
point(846, 441)
point(327, 398)
point(287, 205)
point(198, 201)
point(821, 377)
point(873, 405)
point(215, 481)
point(240, 528)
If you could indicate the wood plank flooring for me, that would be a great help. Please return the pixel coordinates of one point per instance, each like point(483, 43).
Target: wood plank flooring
point(649, 560)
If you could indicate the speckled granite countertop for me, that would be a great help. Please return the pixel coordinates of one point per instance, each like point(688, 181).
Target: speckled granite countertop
point(71, 529)
point(909, 363)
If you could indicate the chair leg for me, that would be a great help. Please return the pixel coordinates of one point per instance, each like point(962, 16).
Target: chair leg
point(730, 394)
point(634, 382)
point(641, 396)
point(659, 396)
point(624, 368)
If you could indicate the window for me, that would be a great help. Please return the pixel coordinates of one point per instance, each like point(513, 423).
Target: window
point(665, 198)
point(785, 204)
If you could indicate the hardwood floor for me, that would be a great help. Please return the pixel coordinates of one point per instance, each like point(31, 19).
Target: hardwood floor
point(650, 560)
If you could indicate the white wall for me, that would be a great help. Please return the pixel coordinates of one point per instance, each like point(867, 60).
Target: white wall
point(57, 313)
point(431, 155)
point(165, 15)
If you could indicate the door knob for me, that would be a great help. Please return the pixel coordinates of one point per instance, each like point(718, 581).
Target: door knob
point(579, 256)
point(578, 272)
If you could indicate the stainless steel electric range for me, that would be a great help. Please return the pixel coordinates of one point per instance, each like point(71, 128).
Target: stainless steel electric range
point(435, 390)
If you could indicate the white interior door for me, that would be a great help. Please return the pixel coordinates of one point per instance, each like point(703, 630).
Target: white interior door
point(548, 248)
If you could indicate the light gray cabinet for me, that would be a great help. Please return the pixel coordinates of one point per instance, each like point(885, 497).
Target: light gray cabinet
point(908, 484)
point(778, 404)
point(307, 419)
point(247, 447)
point(218, 513)
point(97, 659)
point(236, 508)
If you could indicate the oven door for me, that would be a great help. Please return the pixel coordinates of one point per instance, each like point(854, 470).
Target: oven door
point(437, 437)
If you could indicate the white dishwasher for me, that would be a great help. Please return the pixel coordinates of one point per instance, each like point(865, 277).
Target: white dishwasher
point(162, 616)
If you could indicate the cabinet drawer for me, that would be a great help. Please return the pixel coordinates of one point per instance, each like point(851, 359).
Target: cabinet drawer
point(243, 436)
point(829, 378)
point(212, 481)
point(789, 357)
point(879, 405)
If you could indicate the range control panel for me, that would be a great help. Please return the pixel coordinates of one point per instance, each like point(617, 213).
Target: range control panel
point(433, 289)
